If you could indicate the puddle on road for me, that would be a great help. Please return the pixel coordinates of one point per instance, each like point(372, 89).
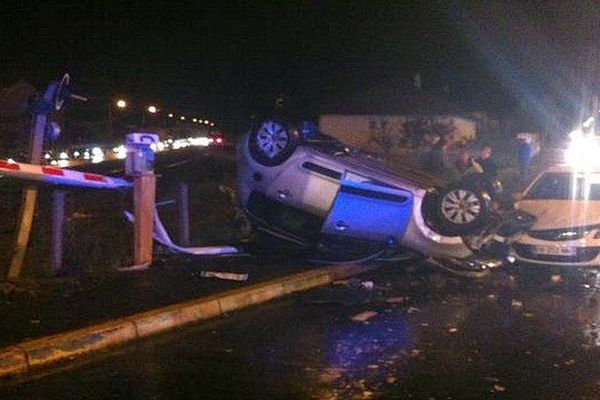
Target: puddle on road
point(439, 337)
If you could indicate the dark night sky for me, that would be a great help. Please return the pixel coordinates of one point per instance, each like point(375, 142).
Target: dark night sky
point(229, 59)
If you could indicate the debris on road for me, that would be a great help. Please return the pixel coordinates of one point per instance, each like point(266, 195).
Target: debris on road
point(230, 276)
point(516, 303)
point(528, 315)
point(331, 374)
point(367, 285)
point(355, 283)
point(363, 316)
point(499, 388)
point(343, 282)
point(399, 299)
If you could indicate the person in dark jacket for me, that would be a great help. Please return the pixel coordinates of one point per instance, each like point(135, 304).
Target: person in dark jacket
point(435, 158)
point(524, 157)
point(490, 169)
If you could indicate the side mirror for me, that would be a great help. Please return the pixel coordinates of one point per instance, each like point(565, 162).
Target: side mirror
point(518, 196)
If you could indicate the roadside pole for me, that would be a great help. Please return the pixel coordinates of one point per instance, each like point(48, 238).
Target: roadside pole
point(58, 224)
point(183, 214)
point(27, 211)
point(144, 193)
point(596, 114)
point(140, 166)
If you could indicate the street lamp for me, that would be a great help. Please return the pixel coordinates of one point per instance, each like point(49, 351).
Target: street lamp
point(121, 105)
point(182, 118)
point(152, 109)
point(170, 115)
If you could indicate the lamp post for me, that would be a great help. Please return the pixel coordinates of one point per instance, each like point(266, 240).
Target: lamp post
point(151, 109)
point(120, 104)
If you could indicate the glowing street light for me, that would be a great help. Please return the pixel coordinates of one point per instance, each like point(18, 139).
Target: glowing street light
point(182, 118)
point(170, 115)
point(120, 103)
point(194, 119)
point(206, 121)
point(152, 109)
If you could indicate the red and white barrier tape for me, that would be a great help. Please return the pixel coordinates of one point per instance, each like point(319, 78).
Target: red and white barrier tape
point(59, 176)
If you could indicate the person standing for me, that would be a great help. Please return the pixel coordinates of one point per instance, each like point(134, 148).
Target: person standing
point(524, 157)
point(467, 166)
point(490, 169)
point(435, 158)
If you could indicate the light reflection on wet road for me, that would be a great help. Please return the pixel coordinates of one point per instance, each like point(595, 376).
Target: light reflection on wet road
point(417, 335)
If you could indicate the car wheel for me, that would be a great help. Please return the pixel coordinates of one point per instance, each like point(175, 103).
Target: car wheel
point(272, 142)
point(460, 210)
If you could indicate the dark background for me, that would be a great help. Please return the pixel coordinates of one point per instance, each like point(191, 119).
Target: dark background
point(229, 60)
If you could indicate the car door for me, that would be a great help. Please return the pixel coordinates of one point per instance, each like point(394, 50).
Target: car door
point(371, 210)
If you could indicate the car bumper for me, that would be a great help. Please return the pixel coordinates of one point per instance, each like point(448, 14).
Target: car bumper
point(581, 257)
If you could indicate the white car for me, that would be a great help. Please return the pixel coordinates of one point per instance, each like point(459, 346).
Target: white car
point(566, 229)
point(307, 188)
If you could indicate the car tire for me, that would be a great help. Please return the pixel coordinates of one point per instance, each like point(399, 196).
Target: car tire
point(460, 209)
point(271, 142)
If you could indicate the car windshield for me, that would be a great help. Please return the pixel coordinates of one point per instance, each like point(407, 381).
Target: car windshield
point(565, 186)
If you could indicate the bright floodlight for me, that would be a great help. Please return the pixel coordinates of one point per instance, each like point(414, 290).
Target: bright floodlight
point(121, 103)
point(182, 118)
point(170, 115)
point(194, 119)
point(206, 121)
point(583, 151)
point(152, 109)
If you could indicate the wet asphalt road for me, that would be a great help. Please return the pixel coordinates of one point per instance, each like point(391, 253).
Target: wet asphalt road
point(426, 336)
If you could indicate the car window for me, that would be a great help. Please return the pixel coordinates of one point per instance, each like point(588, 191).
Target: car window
point(565, 186)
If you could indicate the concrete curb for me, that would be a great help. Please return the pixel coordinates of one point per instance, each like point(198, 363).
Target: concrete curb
point(30, 355)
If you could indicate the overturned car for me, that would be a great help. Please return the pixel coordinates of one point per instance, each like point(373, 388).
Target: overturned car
point(307, 188)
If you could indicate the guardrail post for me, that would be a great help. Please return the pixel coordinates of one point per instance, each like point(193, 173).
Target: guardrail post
point(30, 192)
point(58, 224)
point(24, 230)
point(183, 214)
point(140, 165)
point(144, 192)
